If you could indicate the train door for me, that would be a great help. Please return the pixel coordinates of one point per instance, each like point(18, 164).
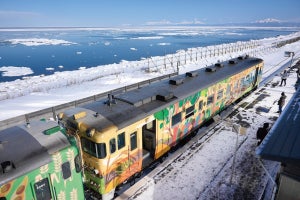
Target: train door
point(209, 106)
point(255, 77)
point(149, 142)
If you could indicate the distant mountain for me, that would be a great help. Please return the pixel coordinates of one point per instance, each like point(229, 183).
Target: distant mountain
point(275, 22)
point(268, 20)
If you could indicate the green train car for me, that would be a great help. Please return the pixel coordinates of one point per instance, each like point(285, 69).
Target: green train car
point(39, 161)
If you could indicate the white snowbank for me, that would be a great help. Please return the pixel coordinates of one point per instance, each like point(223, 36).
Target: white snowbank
point(15, 71)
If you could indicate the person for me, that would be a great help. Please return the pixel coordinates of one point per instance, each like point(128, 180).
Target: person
point(284, 76)
point(281, 102)
point(261, 133)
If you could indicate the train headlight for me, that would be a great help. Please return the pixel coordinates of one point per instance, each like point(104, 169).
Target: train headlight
point(90, 132)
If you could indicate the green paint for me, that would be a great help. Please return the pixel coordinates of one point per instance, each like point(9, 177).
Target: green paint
point(69, 188)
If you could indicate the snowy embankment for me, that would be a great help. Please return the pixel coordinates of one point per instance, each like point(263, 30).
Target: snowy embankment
point(39, 92)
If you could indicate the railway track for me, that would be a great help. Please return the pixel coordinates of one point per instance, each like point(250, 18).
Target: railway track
point(180, 158)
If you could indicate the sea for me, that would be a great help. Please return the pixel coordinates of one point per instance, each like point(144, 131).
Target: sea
point(45, 51)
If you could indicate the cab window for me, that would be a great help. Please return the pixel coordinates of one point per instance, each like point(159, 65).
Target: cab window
point(97, 150)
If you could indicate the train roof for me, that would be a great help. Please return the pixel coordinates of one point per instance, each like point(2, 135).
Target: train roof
point(283, 141)
point(130, 106)
point(27, 147)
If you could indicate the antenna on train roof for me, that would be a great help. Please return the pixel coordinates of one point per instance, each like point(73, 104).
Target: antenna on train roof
point(111, 100)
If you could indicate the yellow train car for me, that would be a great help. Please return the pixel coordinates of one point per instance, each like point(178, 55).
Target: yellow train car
point(121, 135)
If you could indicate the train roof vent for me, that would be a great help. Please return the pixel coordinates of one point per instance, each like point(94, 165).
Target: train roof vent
point(210, 69)
point(192, 74)
point(165, 96)
point(7, 166)
point(243, 57)
point(176, 81)
point(219, 65)
point(232, 62)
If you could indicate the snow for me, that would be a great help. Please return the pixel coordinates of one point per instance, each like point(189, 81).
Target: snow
point(39, 42)
point(15, 71)
point(208, 170)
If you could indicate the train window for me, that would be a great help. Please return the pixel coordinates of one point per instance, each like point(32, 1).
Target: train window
point(200, 105)
point(210, 99)
point(101, 150)
point(150, 126)
point(189, 112)
point(95, 149)
point(42, 190)
point(121, 140)
point(66, 170)
point(112, 145)
point(228, 90)
point(220, 94)
point(77, 162)
point(176, 119)
point(133, 141)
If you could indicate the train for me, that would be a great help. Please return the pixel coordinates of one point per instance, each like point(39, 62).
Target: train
point(101, 145)
point(39, 161)
point(121, 135)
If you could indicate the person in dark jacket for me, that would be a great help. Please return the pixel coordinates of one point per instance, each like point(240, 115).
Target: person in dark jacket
point(261, 133)
point(281, 102)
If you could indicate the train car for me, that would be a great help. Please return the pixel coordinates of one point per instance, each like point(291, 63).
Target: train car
point(121, 135)
point(39, 161)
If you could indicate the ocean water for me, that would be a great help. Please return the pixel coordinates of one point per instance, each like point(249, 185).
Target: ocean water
point(93, 47)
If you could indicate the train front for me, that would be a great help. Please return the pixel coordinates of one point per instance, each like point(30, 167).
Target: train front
point(92, 132)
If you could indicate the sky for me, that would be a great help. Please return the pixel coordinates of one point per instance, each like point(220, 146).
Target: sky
point(114, 13)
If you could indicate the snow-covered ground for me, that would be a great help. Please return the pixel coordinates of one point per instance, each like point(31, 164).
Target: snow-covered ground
point(208, 172)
